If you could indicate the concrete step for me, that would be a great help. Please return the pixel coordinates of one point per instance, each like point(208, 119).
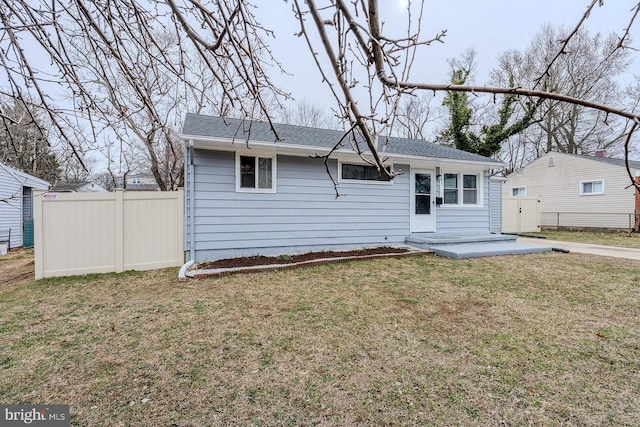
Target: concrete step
point(426, 240)
point(482, 249)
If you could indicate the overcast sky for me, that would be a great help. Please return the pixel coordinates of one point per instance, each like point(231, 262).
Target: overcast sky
point(488, 26)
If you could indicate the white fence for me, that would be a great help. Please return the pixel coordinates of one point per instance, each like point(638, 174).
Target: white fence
point(81, 233)
point(521, 214)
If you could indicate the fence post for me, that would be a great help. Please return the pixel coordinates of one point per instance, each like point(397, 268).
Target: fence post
point(119, 229)
point(38, 244)
point(180, 194)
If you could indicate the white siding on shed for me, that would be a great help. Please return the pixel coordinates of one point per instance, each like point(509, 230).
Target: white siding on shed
point(10, 207)
point(12, 184)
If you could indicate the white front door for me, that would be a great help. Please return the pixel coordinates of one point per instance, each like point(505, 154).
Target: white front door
point(423, 202)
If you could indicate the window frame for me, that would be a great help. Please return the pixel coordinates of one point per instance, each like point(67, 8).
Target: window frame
point(362, 181)
point(518, 187)
point(592, 181)
point(460, 190)
point(476, 189)
point(256, 156)
point(457, 189)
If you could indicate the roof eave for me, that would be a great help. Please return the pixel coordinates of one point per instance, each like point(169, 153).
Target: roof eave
point(24, 177)
point(229, 144)
point(492, 164)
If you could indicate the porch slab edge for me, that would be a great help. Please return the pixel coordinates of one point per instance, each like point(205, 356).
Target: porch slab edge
point(475, 250)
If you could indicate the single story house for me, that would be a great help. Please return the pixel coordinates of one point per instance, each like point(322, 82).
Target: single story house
point(78, 187)
point(249, 193)
point(579, 191)
point(16, 205)
point(141, 182)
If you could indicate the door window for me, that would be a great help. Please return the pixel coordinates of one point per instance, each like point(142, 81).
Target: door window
point(423, 194)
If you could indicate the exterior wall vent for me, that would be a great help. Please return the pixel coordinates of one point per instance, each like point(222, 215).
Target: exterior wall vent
point(551, 161)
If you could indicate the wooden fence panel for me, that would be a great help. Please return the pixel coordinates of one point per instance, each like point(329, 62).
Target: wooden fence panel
point(81, 233)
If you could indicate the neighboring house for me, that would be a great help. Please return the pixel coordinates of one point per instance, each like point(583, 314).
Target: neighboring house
point(16, 205)
point(142, 182)
point(580, 192)
point(79, 187)
point(247, 194)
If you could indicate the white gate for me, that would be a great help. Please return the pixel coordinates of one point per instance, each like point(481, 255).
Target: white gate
point(520, 214)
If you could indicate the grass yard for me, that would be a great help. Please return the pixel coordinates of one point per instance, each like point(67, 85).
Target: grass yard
point(621, 239)
point(548, 339)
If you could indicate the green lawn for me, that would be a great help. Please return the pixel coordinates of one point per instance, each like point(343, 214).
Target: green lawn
point(626, 240)
point(547, 339)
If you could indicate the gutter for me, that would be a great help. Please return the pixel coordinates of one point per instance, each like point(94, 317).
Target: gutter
point(230, 144)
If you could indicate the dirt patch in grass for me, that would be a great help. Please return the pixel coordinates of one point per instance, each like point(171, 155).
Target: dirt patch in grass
point(252, 261)
point(15, 267)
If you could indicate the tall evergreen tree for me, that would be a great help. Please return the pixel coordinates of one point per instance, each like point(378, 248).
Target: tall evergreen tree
point(23, 143)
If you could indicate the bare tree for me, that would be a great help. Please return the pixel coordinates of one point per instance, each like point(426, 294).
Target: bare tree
point(351, 35)
point(362, 58)
point(414, 115)
point(588, 70)
point(304, 113)
point(75, 172)
point(122, 63)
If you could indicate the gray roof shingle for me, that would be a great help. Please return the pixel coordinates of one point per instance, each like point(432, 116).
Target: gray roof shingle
point(203, 126)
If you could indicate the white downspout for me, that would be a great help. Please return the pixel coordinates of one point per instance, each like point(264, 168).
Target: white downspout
point(192, 204)
point(190, 176)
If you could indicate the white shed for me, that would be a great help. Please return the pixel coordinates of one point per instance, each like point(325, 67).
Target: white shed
point(16, 205)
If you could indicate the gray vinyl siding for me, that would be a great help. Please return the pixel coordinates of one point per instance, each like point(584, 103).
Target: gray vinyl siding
point(304, 214)
point(465, 219)
point(495, 208)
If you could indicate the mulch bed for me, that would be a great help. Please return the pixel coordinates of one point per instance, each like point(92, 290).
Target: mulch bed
point(253, 261)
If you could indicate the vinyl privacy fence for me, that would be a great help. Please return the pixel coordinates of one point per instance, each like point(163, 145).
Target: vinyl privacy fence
point(81, 233)
point(521, 214)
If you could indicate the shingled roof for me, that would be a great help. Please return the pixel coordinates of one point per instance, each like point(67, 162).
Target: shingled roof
point(197, 126)
point(633, 164)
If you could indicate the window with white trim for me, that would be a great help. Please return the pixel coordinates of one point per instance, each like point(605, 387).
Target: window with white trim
point(469, 189)
point(255, 173)
point(461, 189)
point(588, 188)
point(518, 191)
point(450, 189)
point(362, 172)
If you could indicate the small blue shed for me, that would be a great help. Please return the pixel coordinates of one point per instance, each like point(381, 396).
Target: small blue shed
point(247, 193)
